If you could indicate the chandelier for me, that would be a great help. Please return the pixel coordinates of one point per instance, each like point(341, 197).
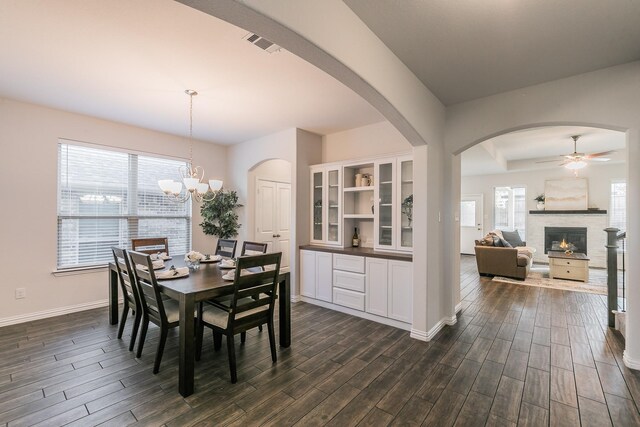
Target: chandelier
point(191, 175)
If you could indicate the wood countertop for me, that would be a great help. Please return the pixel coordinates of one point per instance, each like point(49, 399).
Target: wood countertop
point(367, 252)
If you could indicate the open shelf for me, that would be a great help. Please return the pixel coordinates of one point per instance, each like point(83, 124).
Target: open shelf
point(358, 216)
point(352, 189)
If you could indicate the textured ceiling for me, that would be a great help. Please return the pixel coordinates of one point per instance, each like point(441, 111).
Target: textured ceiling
point(468, 49)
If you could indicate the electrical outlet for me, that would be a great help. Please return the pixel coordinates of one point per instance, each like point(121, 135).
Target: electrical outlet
point(21, 293)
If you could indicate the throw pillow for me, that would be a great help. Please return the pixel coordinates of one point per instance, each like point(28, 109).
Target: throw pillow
point(500, 242)
point(513, 237)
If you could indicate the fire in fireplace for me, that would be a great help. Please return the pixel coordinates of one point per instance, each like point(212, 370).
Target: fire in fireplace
point(565, 238)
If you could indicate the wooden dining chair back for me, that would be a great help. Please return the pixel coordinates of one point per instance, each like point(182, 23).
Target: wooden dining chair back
point(226, 248)
point(163, 313)
point(253, 248)
point(130, 294)
point(150, 245)
point(251, 305)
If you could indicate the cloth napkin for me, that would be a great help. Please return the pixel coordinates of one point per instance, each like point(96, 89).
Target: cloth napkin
point(213, 258)
point(168, 274)
point(228, 263)
point(231, 274)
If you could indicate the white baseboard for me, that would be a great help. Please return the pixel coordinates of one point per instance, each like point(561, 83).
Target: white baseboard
point(629, 362)
point(295, 298)
point(458, 307)
point(22, 318)
point(418, 335)
point(433, 331)
point(358, 313)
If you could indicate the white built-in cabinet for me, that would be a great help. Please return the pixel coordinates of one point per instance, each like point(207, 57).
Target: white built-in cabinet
point(378, 286)
point(316, 275)
point(393, 178)
point(326, 205)
point(390, 288)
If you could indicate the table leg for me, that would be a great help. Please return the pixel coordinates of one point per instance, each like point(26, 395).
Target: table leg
point(284, 307)
point(187, 345)
point(113, 297)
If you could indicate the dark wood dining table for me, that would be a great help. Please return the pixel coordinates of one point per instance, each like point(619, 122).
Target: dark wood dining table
point(200, 285)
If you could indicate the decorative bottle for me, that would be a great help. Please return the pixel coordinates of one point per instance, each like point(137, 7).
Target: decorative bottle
point(356, 239)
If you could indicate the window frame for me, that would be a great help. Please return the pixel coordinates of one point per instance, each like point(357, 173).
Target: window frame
point(133, 191)
point(525, 213)
point(611, 209)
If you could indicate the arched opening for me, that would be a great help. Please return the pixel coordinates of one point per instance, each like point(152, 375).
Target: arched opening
point(502, 175)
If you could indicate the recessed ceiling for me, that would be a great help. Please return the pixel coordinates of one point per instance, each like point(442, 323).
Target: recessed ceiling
point(520, 151)
point(130, 61)
point(463, 50)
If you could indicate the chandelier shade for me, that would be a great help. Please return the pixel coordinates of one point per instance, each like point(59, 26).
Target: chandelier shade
point(192, 176)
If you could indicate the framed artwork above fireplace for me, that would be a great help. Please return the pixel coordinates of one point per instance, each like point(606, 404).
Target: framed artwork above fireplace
point(566, 194)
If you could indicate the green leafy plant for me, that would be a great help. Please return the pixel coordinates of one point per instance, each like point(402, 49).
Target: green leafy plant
point(539, 198)
point(407, 208)
point(219, 217)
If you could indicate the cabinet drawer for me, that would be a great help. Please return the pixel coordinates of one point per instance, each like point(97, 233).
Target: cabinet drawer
point(348, 298)
point(347, 280)
point(568, 272)
point(352, 263)
point(561, 262)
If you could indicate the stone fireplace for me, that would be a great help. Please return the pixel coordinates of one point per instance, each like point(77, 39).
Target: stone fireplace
point(565, 238)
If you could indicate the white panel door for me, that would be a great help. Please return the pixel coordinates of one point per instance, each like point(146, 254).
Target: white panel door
point(400, 291)
point(273, 217)
point(376, 286)
point(324, 276)
point(308, 273)
point(471, 222)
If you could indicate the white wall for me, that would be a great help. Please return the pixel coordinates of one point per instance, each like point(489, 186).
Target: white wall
point(599, 181)
point(372, 140)
point(29, 141)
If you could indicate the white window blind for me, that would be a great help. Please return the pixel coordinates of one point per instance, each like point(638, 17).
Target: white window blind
point(107, 197)
point(510, 209)
point(618, 205)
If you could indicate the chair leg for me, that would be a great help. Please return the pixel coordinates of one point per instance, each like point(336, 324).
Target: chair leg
point(260, 328)
point(232, 358)
point(161, 343)
point(243, 337)
point(143, 336)
point(134, 330)
point(272, 342)
point(123, 319)
point(217, 340)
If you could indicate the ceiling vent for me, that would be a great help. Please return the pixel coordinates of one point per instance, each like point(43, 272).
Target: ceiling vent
point(262, 43)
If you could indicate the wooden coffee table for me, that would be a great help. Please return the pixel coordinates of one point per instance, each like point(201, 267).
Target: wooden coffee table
point(568, 266)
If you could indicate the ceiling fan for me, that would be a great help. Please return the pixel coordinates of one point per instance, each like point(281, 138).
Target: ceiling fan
point(575, 160)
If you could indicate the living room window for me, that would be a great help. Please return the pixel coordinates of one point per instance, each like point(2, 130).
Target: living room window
point(618, 205)
point(106, 197)
point(510, 209)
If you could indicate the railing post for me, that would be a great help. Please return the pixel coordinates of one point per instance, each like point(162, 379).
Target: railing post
point(612, 274)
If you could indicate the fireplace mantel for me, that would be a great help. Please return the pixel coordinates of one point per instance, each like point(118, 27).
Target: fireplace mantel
point(570, 212)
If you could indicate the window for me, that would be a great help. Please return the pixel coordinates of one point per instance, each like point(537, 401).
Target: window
point(468, 213)
point(618, 205)
point(108, 197)
point(510, 209)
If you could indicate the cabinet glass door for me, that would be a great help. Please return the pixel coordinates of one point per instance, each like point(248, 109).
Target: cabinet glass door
point(333, 206)
point(317, 205)
point(385, 177)
point(405, 203)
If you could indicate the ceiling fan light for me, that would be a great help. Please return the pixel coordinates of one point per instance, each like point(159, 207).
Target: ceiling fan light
point(578, 164)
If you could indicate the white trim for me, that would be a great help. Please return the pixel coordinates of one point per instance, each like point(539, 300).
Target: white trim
point(296, 298)
point(433, 331)
point(22, 318)
point(458, 307)
point(418, 335)
point(358, 313)
point(452, 320)
point(629, 362)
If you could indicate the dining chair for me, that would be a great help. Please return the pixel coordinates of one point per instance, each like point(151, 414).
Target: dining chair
point(251, 305)
point(163, 313)
point(130, 294)
point(150, 245)
point(226, 248)
point(253, 248)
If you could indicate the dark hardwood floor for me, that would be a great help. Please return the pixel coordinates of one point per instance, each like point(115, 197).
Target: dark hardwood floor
point(517, 356)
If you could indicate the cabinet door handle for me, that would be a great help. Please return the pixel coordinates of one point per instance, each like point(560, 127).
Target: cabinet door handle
point(274, 235)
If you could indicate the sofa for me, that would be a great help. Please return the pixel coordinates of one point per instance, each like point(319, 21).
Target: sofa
point(495, 257)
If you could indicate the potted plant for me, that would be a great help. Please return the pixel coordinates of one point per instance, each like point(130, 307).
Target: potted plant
point(219, 217)
point(540, 202)
point(407, 208)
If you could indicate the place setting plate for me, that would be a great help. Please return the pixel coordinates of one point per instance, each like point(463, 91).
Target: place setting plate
point(212, 258)
point(171, 274)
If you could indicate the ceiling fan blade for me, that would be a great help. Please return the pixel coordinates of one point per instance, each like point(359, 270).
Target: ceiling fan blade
point(599, 159)
point(566, 162)
point(604, 153)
